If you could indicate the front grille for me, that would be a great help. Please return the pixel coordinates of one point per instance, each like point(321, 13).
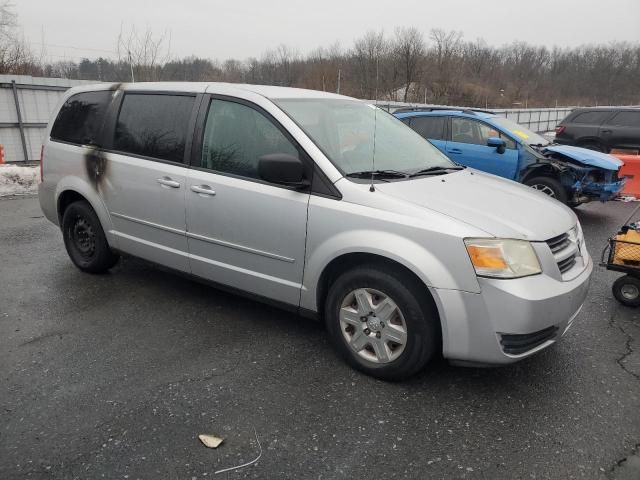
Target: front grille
point(567, 263)
point(565, 249)
point(559, 243)
point(515, 344)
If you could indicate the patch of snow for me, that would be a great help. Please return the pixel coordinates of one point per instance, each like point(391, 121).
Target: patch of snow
point(16, 180)
point(551, 136)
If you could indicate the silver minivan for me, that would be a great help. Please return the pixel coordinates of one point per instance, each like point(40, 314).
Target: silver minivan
point(322, 204)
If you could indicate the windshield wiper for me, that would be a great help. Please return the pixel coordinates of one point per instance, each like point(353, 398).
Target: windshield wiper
point(436, 170)
point(378, 174)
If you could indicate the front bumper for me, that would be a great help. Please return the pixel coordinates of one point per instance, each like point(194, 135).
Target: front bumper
point(600, 191)
point(476, 325)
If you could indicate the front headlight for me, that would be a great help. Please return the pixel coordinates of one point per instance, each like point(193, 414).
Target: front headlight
point(502, 258)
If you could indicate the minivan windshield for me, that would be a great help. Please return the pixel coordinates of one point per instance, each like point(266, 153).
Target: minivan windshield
point(349, 132)
point(521, 133)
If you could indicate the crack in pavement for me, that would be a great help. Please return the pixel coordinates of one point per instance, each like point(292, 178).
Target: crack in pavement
point(629, 350)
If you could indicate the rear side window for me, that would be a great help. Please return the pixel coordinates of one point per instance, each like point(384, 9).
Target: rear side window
point(81, 117)
point(626, 119)
point(154, 125)
point(236, 136)
point(595, 117)
point(429, 127)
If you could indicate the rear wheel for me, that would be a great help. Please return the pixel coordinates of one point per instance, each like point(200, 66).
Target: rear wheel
point(626, 289)
point(381, 322)
point(549, 186)
point(85, 240)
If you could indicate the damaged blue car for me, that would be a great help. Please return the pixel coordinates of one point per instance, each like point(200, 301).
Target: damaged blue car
point(497, 145)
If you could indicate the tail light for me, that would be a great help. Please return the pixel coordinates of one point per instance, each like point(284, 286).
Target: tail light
point(42, 163)
point(560, 129)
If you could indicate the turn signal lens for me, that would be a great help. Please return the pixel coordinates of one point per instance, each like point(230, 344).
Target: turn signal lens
point(502, 258)
point(486, 257)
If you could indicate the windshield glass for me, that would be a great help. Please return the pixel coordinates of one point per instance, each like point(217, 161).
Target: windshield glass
point(519, 132)
point(344, 131)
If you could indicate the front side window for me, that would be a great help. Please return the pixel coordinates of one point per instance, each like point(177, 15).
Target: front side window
point(154, 125)
point(357, 137)
point(81, 117)
point(520, 132)
point(465, 130)
point(236, 136)
point(431, 128)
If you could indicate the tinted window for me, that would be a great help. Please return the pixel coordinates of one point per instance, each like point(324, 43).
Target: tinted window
point(236, 136)
point(80, 118)
point(465, 130)
point(595, 117)
point(429, 127)
point(626, 119)
point(154, 125)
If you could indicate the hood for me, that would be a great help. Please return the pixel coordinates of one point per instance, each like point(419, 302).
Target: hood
point(500, 207)
point(586, 156)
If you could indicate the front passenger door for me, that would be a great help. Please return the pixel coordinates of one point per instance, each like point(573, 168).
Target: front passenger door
point(468, 146)
point(244, 232)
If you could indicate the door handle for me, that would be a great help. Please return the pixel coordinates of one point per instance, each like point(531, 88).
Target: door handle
point(203, 190)
point(606, 131)
point(167, 182)
point(454, 150)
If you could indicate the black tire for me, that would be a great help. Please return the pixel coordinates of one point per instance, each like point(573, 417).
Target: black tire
point(84, 239)
point(595, 146)
point(626, 289)
point(550, 186)
point(418, 311)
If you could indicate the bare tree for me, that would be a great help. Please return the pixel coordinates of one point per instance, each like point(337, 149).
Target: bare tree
point(368, 53)
point(446, 56)
point(145, 52)
point(15, 55)
point(409, 50)
point(7, 19)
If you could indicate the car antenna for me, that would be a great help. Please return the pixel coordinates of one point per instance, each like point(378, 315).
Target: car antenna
point(375, 125)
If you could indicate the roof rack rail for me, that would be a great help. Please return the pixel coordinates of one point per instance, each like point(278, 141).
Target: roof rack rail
point(437, 108)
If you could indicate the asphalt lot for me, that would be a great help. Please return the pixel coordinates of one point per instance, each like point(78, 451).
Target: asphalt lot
point(114, 376)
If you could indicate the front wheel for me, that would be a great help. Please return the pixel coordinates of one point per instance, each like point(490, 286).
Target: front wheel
point(549, 186)
point(382, 322)
point(626, 289)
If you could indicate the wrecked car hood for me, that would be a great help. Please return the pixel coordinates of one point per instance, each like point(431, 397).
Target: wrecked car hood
point(587, 157)
point(500, 207)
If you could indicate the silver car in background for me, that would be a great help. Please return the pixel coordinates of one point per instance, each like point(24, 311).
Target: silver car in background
point(320, 203)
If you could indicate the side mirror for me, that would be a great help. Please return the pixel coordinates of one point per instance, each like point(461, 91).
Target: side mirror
point(497, 143)
point(283, 169)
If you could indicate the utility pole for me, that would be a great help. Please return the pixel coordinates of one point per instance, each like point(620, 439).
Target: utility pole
point(131, 65)
point(339, 73)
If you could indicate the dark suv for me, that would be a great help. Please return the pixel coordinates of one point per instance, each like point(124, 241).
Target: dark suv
point(601, 128)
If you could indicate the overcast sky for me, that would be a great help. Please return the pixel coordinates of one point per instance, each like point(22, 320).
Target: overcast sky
point(244, 28)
